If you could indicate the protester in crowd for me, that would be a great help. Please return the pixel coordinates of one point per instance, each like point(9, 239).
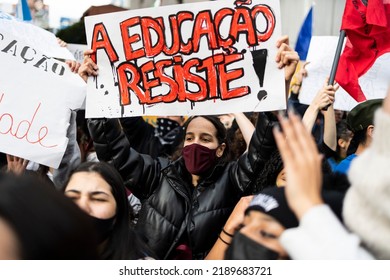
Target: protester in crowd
point(186, 202)
point(365, 210)
point(360, 121)
point(274, 173)
point(295, 88)
point(340, 115)
point(39, 223)
point(316, 120)
point(98, 189)
point(239, 131)
point(257, 226)
point(344, 137)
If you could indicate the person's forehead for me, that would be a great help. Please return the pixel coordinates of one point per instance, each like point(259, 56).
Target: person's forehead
point(88, 181)
point(201, 125)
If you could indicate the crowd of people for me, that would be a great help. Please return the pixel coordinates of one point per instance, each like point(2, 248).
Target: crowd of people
point(306, 183)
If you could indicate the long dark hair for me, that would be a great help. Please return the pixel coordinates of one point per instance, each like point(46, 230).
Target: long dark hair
point(123, 243)
point(47, 225)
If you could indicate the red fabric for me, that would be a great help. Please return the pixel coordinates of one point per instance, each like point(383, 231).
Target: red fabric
point(368, 37)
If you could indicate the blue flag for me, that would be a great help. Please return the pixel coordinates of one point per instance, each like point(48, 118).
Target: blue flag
point(304, 37)
point(23, 11)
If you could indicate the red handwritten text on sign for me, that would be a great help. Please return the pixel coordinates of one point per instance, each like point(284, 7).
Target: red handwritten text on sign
point(22, 130)
point(211, 76)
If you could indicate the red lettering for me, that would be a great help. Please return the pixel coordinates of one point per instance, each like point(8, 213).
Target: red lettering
point(148, 24)
point(172, 85)
point(229, 75)
point(128, 79)
point(185, 16)
point(150, 83)
point(266, 11)
point(131, 54)
point(212, 76)
point(175, 30)
point(101, 40)
point(219, 17)
point(204, 26)
point(201, 94)
point(242, 24)
point(178, 75)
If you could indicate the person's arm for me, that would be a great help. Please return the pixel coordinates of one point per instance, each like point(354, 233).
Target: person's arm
point(298, 79)
point(330, 130)
point(72, 155)
point(140, 133)
point(246, 126)
point(262, 143)
point(140, 172)
point(324, 98)
point(225, 237)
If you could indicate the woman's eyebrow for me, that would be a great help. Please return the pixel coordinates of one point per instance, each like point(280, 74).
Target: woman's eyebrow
point(99, 192)
point(73, 191)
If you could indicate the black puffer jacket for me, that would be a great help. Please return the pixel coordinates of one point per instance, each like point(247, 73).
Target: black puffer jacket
point(145, 139)
point(173, 210)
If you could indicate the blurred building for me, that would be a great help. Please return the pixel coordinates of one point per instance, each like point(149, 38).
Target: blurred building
point(327, 14)
point(40, 13)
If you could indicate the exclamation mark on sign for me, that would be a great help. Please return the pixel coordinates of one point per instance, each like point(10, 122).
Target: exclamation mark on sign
point(259, 63)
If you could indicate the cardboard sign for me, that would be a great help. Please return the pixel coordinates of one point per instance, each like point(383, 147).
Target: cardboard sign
point(36, 95)
point(321, 53)
point(204, 58)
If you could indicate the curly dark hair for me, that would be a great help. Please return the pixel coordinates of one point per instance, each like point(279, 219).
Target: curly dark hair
point(272, 168)
point(268, 175)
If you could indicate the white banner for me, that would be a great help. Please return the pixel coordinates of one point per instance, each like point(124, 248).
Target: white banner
point(36, 95)
point(203, 58)
point(321, 53)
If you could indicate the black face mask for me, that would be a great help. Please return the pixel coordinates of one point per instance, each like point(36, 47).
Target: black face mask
point(103, 227)
point(244, 248)
point(165, 126)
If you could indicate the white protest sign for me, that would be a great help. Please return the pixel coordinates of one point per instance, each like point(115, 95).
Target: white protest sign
point(321, 53)
point(37, 94)
point(77, 51)
point(41, 39)
point(204, 58)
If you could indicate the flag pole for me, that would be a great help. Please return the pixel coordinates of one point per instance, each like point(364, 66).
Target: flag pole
point(336, 61)
point(336, 58)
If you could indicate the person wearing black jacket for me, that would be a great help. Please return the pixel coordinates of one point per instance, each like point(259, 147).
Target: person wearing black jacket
point(185, 202)
point(159, 141)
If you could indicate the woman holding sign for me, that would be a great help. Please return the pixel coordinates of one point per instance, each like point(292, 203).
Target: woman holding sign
point(186, 202)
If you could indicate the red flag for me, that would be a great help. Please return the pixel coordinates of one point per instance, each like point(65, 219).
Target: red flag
point(367, 25)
